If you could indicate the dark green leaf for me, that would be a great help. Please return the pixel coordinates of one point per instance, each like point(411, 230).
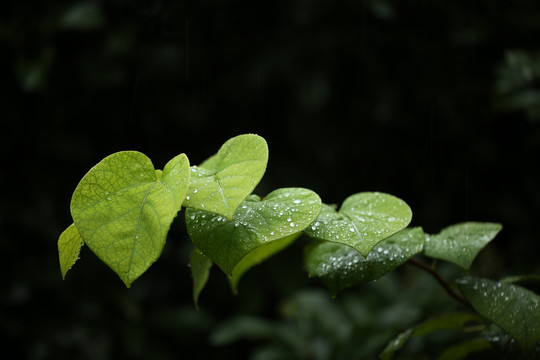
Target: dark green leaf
point(256, 223)
point(461, 243)
point(513, 308)
point(463, 349)
point(340, 266)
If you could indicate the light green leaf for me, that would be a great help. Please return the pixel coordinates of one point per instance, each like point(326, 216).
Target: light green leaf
point(284, 212)
point(515, 309)
point(464, 349)
point(123, 212)
point(200, 269)
point(362, 222)
point(221, 183)
point(451, 321)
point(341, 267)
point(461, 243)
point(69, 248)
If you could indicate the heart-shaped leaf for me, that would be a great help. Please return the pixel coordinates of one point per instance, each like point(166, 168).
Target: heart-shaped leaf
point(69, 248)
point(362, 222)
point(461, 243)
point(341, 267)
point(256, 224)
point(221, 183)
point(123, 209)
point(515, 309)
point(200, 270)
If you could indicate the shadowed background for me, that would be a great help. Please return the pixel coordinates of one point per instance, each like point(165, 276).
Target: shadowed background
point(438, 104)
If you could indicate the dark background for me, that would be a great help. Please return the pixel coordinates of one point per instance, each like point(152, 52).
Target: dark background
point(435, 102)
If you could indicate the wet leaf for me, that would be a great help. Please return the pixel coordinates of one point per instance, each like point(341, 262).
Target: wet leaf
point(341, 267)
point(461, 243)
point(363, 221)
point(515, 309)
point(256, 223)
point(200, 270)
point(221, 183)
point(123, 211)
point(69, 248)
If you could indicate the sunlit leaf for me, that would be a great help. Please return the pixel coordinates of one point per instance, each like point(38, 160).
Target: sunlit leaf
point(461, 243)
point(257, 222)
point(221, 183)
point(123, 211)
point(515, 309)
point(363, 221)
point(341, 267)
point(69, 248)
point(200, 270)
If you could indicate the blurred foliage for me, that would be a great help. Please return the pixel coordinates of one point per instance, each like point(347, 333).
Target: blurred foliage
point(518, 85)
point(429, 101)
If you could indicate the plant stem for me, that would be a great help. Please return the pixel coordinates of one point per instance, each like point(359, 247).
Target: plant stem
point(457, 296)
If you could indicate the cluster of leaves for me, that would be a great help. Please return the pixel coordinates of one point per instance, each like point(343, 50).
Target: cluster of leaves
point(123, 208)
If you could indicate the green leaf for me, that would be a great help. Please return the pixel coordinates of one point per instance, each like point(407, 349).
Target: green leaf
point(463, 349)
point(452, 321)
point(200, 269)
point(284, 212)
point(123, 212)
point(69, 248)
point(395, 344)
point(461, 243)
point(363, 221)
point(341, 267)
point(515, 309)
point(520, 278)
point(221, 183)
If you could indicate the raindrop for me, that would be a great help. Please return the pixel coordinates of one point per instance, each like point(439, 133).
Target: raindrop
point(292, 224)
point(297, 201)
point(195, 191)
point(289, 219)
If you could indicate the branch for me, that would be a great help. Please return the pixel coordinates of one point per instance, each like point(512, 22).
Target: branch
point(457, 296)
